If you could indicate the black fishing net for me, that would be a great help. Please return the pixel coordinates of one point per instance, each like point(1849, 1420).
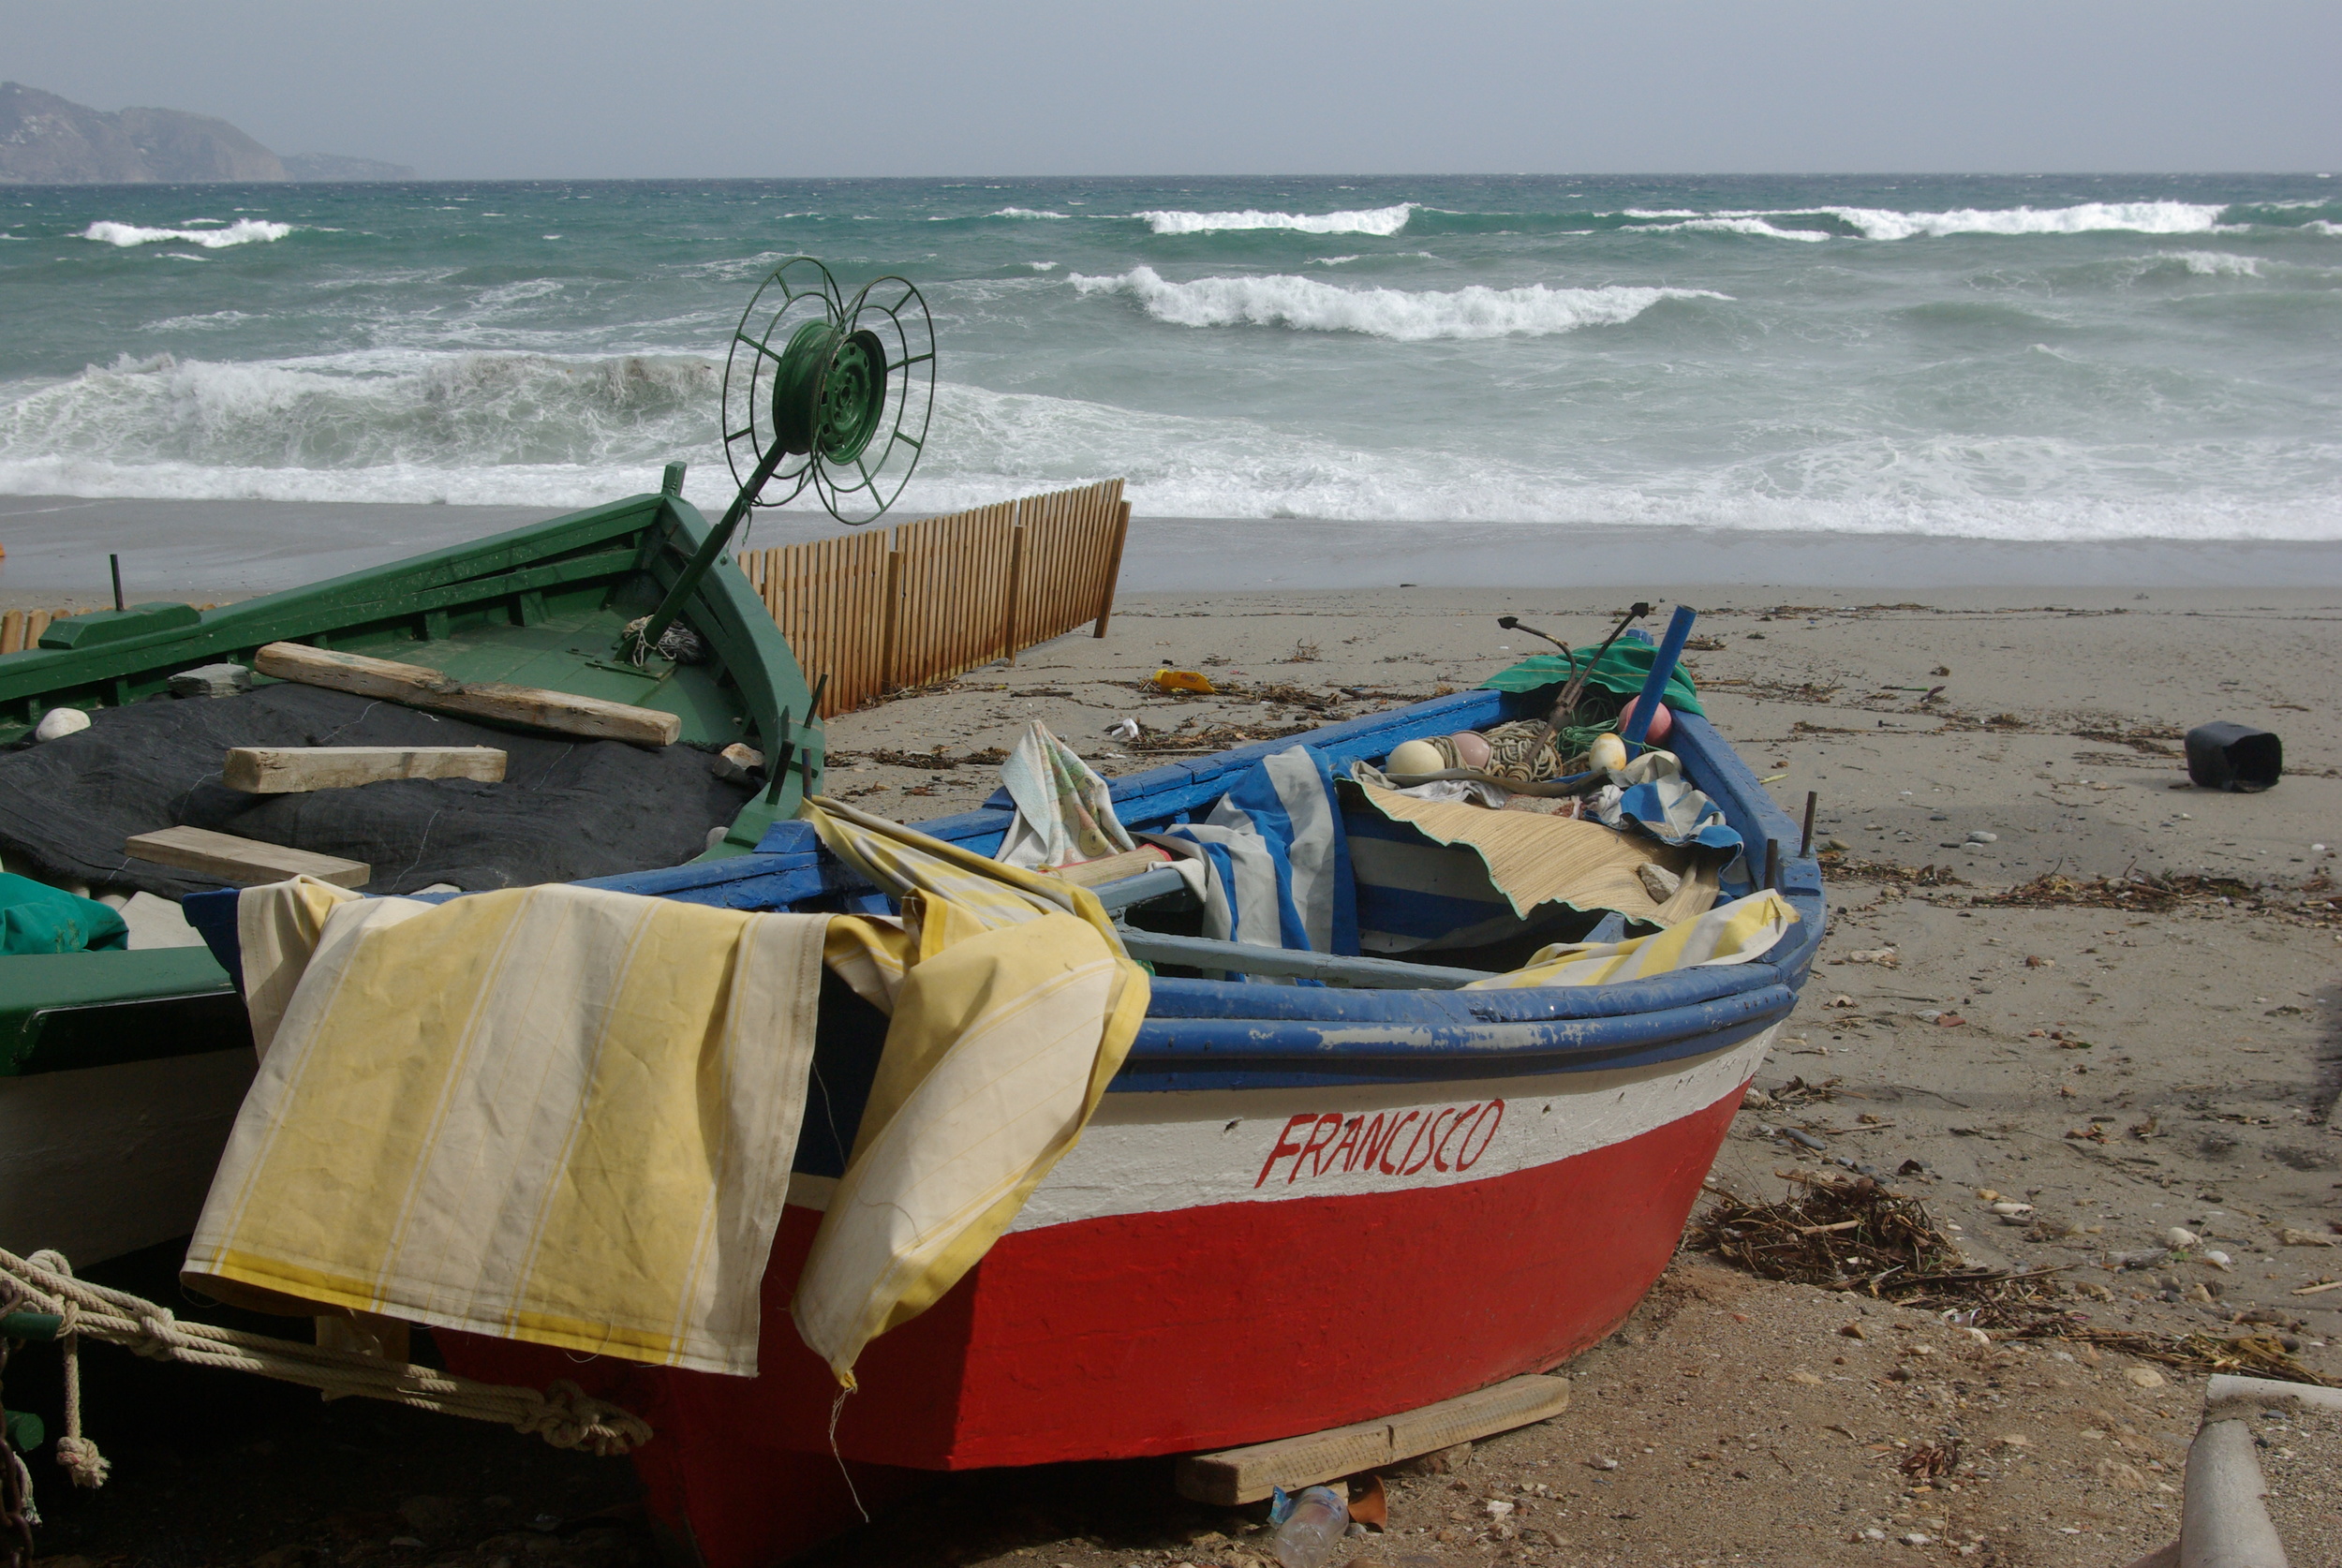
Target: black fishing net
point(565, 808)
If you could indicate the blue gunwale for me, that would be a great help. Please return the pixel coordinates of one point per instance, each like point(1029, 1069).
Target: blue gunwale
point(1213, 1034)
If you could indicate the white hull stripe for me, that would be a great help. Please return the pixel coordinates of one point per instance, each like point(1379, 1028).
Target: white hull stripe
point(1152, 1153)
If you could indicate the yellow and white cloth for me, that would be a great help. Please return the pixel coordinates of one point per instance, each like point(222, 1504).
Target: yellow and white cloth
point(568, 1116)
point(555, 1113)
point(1730, 933)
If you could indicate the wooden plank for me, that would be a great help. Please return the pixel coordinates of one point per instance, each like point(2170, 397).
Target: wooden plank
point(242, 859)
point(284, 770)
point(1234, 1475)
point(1114, 566)
point(417, 687)
point(1016, 584)
point(12, 633)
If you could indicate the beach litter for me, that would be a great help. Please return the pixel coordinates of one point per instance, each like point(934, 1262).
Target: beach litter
point(2235, 757)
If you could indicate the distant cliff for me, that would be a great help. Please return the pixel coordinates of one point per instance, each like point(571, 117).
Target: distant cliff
point(46, 140)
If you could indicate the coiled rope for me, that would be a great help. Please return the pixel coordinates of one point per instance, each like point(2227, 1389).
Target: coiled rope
point(563, 1415)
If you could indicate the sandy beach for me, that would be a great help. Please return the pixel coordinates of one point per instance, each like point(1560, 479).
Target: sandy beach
point(2125, 1069)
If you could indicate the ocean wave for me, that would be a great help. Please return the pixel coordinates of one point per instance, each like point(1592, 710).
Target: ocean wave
point(1734, 226)
point(1377, 220)
point(242, 231)
point(2138, 217)
point(1281, 300)
point(376, 409)
point(2212, 263)
point(2320, 225)
point(539, 431)
point(1027, 213)
point(1885, 223)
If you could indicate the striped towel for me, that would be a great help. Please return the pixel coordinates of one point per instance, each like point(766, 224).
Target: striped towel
point(554, 1114)
point(1278, 859)
point(1730, 933)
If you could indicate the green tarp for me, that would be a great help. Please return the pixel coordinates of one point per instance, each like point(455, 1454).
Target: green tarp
point(37, 918)
point(1622, 671)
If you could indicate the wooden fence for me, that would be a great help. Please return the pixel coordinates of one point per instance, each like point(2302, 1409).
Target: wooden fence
point(21, 630)
point(923, 601)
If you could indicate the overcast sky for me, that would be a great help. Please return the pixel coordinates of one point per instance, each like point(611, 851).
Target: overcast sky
point(626, 88)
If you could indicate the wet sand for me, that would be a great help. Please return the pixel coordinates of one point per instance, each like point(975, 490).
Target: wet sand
point(215, 550)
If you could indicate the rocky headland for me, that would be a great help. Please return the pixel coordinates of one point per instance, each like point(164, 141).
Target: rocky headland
point(47, 139)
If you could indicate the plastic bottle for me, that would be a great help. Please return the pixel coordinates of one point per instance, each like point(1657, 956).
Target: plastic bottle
point(1311, 1527)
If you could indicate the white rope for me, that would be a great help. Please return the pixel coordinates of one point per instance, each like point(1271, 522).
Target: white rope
point(564, 1415)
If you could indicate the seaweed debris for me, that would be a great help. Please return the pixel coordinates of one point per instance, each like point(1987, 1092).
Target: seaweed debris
point(1839, 1234)
point(1842, 865)
point(2146, 894)
point(936, 760)
point(1855, 1233)
point(2261, 1355)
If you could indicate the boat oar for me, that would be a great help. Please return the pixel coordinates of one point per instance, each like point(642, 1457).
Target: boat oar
point(1662, 668)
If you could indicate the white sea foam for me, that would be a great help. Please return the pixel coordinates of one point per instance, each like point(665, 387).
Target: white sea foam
point(538, 430)
point(2140, 217)
point(1884, 223)
point(2212, 263)
point(1028, 213)
point(1333, 260)
point(1735, 226)
point(2320, 225)
point(1281, 300)
point(242, 231)
point(1375, 220)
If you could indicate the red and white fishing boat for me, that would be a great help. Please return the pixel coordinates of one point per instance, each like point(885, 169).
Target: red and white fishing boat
point(1298, 1207)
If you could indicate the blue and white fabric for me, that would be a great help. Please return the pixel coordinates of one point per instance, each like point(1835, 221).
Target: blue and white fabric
point(1279, 860)
point(1651, 794)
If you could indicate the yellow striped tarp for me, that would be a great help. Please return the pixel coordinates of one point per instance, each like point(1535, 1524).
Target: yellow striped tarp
point(1730, 933)
point(1018, 1006)
point(555, 1113)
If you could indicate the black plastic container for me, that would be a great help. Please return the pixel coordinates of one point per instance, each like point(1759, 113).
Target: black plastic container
point(2235, 757)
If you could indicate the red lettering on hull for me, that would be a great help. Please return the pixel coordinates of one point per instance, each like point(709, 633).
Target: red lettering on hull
point(1452, 1138)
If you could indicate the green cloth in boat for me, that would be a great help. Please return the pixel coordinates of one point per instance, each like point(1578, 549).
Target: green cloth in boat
point(37, 918)
point(1622, 671)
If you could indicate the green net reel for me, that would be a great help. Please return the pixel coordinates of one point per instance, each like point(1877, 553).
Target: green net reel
point(827, 393)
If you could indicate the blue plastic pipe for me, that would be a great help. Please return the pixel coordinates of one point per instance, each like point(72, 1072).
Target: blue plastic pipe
point(1662, 668)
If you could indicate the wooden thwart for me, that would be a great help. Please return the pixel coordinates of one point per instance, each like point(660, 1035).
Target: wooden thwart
point(1235, 1475)
point(418, 687)
point(243, 860)
point(284, 770)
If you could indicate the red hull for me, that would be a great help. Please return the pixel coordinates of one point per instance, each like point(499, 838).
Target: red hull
point(1159, 1333)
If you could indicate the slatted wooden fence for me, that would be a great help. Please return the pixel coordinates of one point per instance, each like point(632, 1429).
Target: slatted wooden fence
point(21, 630)
point(925, 601)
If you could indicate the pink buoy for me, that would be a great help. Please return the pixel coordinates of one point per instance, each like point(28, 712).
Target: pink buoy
point(1661, 721)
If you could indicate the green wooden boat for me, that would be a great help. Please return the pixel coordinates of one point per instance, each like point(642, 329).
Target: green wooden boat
point(121, 1071)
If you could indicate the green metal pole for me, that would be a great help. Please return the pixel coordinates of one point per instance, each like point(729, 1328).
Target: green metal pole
point(710, 551)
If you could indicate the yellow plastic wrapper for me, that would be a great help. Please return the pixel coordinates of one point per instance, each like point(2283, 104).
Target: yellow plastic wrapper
point(1183, 680)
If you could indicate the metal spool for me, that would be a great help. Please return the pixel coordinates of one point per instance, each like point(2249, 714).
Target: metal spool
point(851, 392)
point(845, 414)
